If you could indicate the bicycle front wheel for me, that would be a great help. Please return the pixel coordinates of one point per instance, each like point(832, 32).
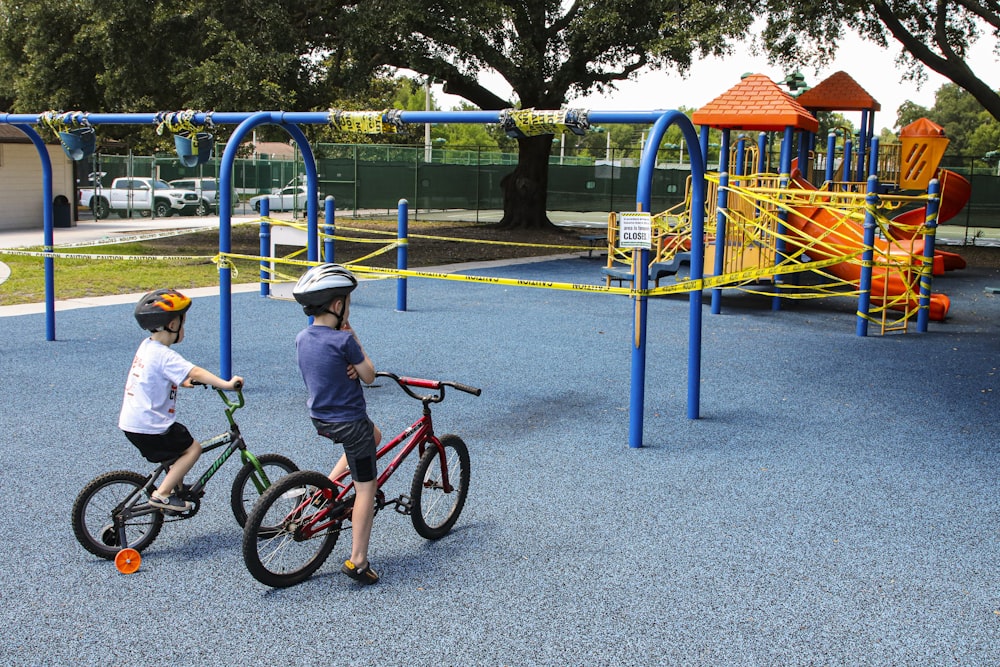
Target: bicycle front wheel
point(93, 515)
point(435, 510)
point(288, 536)
point(248, 485)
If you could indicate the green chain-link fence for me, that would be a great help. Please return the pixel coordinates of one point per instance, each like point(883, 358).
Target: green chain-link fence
point(367, 178)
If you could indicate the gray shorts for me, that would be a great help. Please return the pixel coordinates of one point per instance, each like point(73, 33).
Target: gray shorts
point(358, 438)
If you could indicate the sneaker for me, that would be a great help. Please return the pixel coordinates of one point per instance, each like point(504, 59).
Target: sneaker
point(171, 504)
point(365, 575)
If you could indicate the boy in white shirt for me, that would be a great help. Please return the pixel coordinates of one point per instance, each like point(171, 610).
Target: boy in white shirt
point(148, 416)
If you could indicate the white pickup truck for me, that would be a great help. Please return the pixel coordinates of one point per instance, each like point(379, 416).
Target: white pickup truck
point(140, 195)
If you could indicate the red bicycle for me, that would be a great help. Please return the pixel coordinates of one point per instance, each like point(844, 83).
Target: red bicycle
point(295, 523)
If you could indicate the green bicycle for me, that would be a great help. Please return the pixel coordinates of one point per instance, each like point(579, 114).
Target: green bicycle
point(112, 517)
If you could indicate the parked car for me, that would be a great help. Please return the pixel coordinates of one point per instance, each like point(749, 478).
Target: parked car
point(138, 195)
point(207, 189)
point(287, 198)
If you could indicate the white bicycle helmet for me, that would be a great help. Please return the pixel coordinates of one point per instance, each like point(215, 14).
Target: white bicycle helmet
point(322, 284)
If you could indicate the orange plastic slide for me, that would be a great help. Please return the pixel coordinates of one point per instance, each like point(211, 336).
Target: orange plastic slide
point(838, 237)
point(955, 193)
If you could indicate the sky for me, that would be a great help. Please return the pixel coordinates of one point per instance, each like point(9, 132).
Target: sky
point(873, 68)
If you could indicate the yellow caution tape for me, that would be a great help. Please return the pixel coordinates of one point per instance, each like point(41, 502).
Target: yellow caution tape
point(75, 255)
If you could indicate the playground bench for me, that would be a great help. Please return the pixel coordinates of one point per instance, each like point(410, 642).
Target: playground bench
point(595, 241)
point(657, 270)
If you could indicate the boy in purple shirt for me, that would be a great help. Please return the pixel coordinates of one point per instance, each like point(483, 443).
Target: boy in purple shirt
point(333, 365)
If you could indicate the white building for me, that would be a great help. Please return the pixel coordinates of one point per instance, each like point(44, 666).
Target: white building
point(21, 179)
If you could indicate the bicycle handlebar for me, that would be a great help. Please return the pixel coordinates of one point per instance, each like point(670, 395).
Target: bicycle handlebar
point(231, 405)
point(475, 391)
point(438, 385)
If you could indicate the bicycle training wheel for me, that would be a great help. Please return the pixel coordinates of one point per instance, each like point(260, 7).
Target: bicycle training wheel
point(248, 486)
point(434, 511)
point(284, 541)
point(128, 561)
point(94, 525)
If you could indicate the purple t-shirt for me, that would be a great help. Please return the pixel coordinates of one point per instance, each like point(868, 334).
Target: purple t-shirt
point(323, 355)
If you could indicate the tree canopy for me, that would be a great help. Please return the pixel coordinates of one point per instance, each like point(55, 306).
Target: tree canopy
point(937, 35)
point(547, 51)
point(117, 55)
point(972, 131)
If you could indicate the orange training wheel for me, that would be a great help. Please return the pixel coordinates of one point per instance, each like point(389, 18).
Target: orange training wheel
point(128, 561)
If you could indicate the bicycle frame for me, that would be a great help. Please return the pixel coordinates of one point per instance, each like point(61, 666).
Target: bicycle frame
point(131, 507)
point(420, 434)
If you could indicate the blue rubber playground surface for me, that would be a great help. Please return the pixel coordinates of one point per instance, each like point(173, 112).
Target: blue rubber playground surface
point(837, 503)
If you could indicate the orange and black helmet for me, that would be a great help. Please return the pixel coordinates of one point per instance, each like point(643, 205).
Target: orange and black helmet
point(158, 309)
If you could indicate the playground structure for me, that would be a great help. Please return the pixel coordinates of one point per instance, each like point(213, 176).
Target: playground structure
point(764, 226)
point(754, 240)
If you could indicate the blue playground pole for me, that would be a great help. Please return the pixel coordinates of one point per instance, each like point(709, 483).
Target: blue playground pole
point(831, 149)
point(762, 152)
point(265, 247)
point(862, 144)
point(720, 217)
point(780, 245)
point(927, 269)
point(865, 284)
point(848, 156)
point(329, 229)
point(312, 189)
point(873, 158)
point(402, 231)
point(805, 139)
point(225, 239)
point(740, 169)
point(48, 235)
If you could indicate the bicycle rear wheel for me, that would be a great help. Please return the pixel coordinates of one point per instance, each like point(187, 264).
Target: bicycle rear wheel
point(283, 541)
point(93, 520)
point(434, 511)
point(248, 487)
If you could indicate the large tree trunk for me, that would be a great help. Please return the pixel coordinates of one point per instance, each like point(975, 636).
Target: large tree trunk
point(525, 190)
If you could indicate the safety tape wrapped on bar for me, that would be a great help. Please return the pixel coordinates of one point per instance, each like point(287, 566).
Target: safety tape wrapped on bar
point(60, 121)
point(367, 122)
point(523, 123)
point(181, 121)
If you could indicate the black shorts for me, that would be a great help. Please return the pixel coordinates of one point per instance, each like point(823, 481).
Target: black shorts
point(358, 438)
point(159, 447)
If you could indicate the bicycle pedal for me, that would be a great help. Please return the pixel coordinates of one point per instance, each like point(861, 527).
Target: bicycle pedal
point(404, 504)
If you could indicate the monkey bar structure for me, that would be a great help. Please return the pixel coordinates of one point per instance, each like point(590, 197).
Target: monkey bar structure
point(517, 123)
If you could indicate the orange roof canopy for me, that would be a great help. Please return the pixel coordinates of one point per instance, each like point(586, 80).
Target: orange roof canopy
point(755, 103)
point(838, 92)
point(922, 127)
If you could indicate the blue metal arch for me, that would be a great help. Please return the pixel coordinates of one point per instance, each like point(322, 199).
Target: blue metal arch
point(643, 199)
point(48, 237)
point(226, 216)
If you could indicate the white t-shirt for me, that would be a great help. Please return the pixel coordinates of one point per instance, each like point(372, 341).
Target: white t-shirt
point(150, 402)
